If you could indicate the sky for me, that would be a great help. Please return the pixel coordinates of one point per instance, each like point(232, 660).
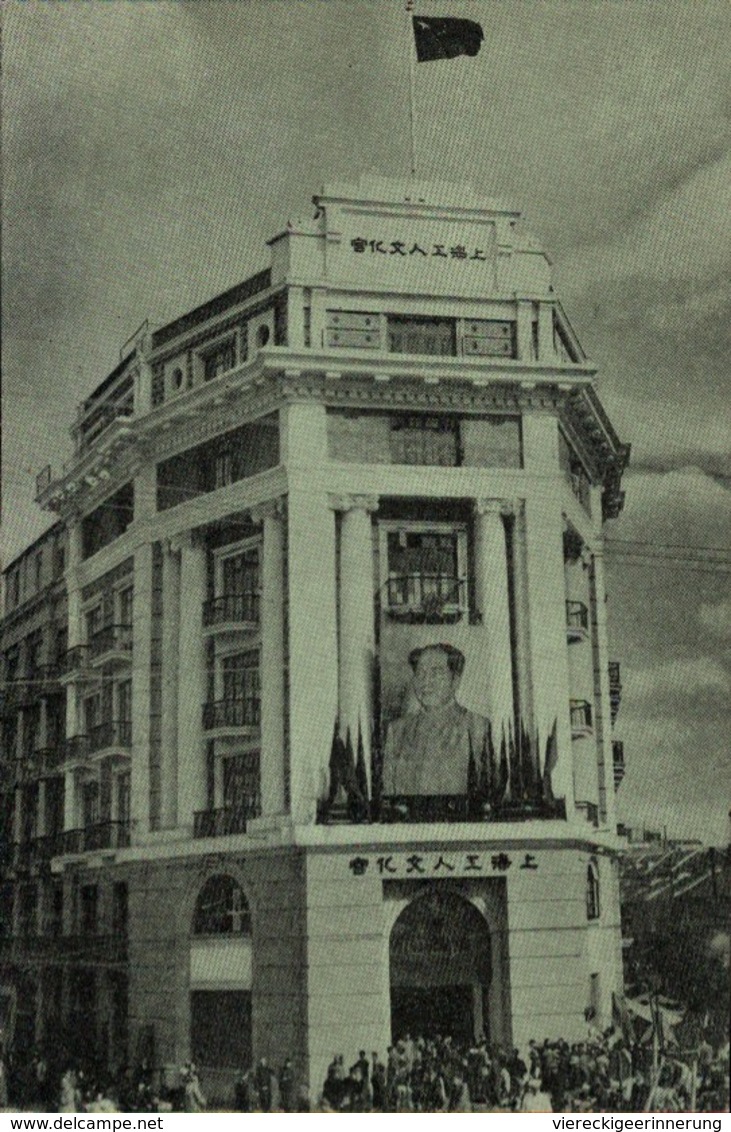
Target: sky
point(150, 148)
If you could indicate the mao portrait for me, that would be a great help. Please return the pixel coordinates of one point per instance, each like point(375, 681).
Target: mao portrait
point(427, 751)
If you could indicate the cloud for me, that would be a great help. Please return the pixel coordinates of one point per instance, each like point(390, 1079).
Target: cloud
point(677, 679)
point(716, 617)
point(682, 508)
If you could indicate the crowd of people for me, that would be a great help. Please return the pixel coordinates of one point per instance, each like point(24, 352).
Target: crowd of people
point(602, 1074)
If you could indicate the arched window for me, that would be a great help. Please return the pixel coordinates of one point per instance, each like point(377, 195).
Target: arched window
point(592, 891)
point(221, 909)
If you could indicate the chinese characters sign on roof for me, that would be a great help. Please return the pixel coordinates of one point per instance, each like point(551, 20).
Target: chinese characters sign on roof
point(405, 248)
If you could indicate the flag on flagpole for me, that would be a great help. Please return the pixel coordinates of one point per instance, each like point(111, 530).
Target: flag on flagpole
point(444, 37)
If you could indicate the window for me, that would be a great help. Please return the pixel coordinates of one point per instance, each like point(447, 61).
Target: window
point(177, 378)
point(33, 650)
point(425, 440)
point(124, 797)
point(39, 569)
point(241, 683)
point(93, 619)
point(426, 573)
point(221, 909)
point(90, 803)
point(592, 891)
point(220, 359)
point(27, 910)
point(124, 701)
point(240, 584)
point(126, 605)
point(59, 561)
point(14, 587)
point(223, 468)
point(12, 663)
point(158, 385)
point(407, 335)
point(241, 790)
point(120, 908)
point(89, 909)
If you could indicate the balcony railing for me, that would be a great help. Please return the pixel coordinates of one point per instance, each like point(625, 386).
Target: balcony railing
point(232, 609)
point(75, 748)
point(615, 688)
point(231, 713)
point(577, 621)
point(229, 819)
point(581, 723)
point(430, 599)
point(112, 733)
point(100, 835)
point(112, 638)
point(73, 660)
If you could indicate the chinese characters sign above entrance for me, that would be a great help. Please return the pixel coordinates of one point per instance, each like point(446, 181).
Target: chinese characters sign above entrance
point(400, 248)
point(425, 256)
point(493, 862)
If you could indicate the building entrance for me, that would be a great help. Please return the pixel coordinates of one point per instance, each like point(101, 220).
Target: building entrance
point(440, 968)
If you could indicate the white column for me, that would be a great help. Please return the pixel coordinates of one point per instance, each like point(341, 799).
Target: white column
point(357, 642)
point(192, 684)
point(141, 636)
point(272, 768)
point(493, 603)
point(295, 318)
point(547, 634)
point(601, 703)
point(546, 348)
point(170, 677)
point(313, 664)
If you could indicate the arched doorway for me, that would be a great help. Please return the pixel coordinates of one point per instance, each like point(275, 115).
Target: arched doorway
point(440, 968)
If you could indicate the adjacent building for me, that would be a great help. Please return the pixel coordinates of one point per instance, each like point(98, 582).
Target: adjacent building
point(322, 747)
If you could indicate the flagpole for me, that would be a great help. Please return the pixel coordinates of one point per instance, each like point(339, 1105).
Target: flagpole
point(412, 82)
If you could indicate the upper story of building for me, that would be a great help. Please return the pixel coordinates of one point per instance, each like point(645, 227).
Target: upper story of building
point(422, 297)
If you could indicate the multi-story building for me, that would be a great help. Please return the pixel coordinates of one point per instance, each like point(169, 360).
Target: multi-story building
point(278, 839)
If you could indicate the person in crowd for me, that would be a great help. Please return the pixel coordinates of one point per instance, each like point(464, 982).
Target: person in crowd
point(263, 1081)
point(194, 1098)
point(286, 1085)
point(534, 1098)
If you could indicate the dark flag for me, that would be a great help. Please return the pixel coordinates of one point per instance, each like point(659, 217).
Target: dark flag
point(361, 774)
point(550, 762)
point(439, 37)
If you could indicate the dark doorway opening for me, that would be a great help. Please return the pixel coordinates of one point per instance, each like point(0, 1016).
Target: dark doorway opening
point(440, 967)
point(428, 1011)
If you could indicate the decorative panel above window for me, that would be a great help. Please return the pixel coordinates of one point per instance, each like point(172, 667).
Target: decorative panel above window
point(354, 330)
point(490, 338)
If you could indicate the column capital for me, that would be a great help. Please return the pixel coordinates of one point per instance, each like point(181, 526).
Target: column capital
point(496, 507)
point(367, 503)
point(269, 509)
point(185, 540)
